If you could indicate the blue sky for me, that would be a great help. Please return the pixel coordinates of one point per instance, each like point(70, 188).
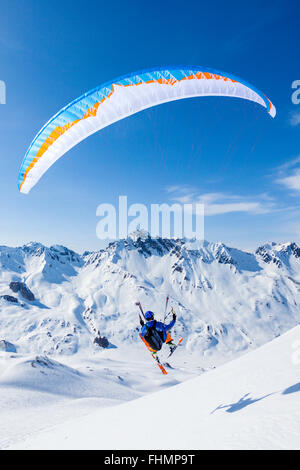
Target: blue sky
point(230, 154)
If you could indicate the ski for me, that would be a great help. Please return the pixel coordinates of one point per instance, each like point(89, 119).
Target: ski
point(176, 346)
point(155, 357)
point(163, 370)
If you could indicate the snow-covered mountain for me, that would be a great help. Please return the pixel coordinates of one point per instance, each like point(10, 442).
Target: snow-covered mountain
point(55, 301)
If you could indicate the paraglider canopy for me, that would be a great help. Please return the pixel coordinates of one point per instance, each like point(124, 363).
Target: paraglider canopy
point(123, 97)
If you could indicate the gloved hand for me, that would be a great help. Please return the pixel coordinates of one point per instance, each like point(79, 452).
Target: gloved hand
point(174, 314)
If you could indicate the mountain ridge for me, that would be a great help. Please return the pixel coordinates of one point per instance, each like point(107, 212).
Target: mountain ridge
point(228, 300)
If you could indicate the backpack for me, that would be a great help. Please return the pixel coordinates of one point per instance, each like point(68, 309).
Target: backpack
point(153, 338)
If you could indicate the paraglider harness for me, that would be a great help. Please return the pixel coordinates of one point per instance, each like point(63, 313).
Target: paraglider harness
point(153, 337)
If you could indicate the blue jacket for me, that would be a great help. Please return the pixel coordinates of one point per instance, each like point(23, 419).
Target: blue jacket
point(159, 327)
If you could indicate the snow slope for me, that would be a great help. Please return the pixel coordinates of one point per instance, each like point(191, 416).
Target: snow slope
point(252, 402)
point(37, 392)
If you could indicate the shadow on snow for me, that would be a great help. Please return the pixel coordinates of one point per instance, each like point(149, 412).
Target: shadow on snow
point(243, 402)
